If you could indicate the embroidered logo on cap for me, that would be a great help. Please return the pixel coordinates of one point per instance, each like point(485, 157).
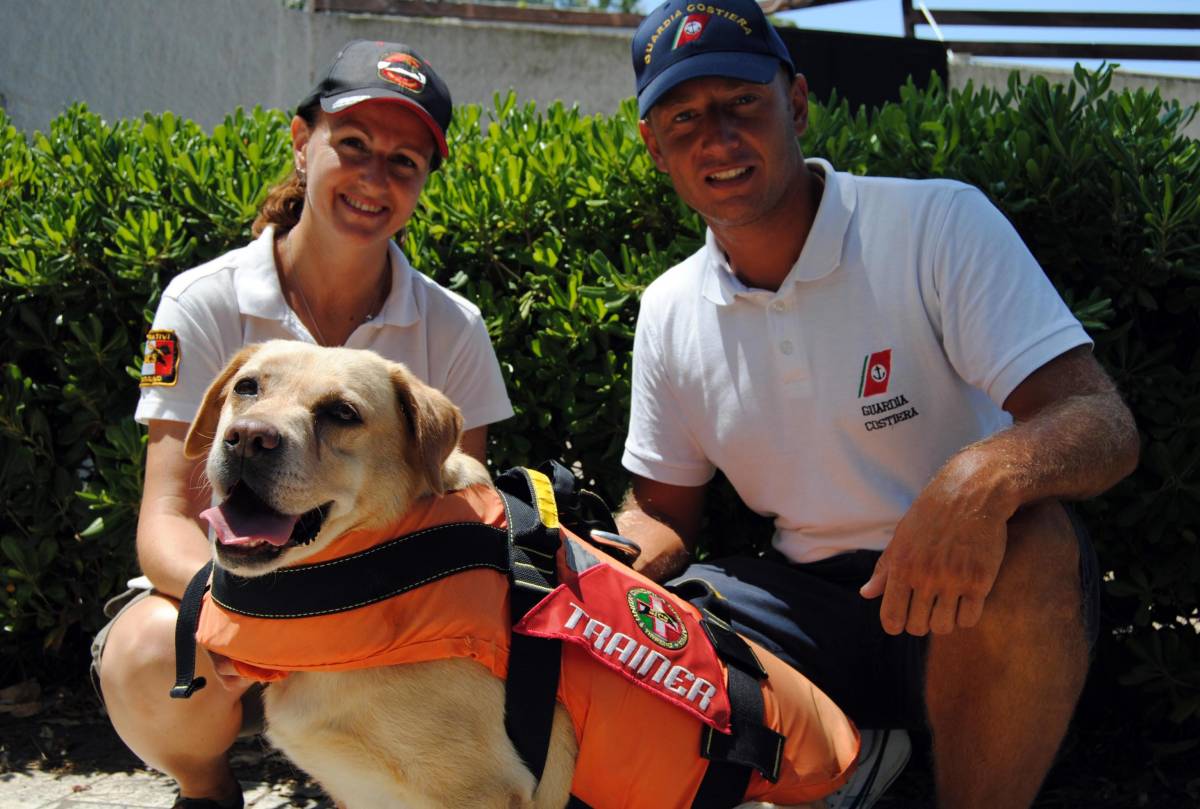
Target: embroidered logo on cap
point(690, 29)
point(403, 69)
point(877, 370)
point(160, 359)
point(657, 619)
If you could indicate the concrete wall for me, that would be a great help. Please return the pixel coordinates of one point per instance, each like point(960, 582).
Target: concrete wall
point(199, 59)
point(202, 58)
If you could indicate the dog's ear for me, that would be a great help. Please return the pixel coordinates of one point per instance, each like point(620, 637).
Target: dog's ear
point(434, 425)
point(204, 427)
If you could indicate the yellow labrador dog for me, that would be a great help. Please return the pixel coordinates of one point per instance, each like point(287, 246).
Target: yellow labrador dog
point(308, 444)
point(304, 445)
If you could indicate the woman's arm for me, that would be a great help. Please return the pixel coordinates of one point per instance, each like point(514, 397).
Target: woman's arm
point(172, 542)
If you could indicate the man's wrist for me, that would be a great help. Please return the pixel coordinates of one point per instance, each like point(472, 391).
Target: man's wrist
point(986, 479)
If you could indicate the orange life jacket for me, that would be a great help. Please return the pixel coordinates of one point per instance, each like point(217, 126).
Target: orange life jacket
point(638, 746)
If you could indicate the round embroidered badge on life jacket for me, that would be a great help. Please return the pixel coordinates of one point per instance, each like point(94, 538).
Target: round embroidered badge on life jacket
point(657, 618)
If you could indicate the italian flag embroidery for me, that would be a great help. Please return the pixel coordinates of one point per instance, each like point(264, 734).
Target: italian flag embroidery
point(690, 29)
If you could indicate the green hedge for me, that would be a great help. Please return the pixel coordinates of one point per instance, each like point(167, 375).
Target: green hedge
point(554, 223)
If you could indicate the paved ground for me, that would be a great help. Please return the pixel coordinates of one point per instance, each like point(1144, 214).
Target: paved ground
point(70, 758)
point(63, 754)
point(114, 780)
point(127, 790)
point(67, 756)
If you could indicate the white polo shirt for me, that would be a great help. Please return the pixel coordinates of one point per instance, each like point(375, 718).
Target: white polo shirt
point(912, 313)
point(236, 299)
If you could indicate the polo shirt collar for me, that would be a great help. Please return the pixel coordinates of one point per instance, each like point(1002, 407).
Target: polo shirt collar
point(820, 256)
point(256, 281)
point(259, 293)
point(400, 308)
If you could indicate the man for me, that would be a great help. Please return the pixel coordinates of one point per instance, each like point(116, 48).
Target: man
point(881, 366)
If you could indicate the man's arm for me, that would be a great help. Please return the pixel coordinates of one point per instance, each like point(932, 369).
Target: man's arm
point(664, 520)
point(1072, 438)
point(474, 443)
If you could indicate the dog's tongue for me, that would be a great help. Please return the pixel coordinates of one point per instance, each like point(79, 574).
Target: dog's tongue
point(243, 519)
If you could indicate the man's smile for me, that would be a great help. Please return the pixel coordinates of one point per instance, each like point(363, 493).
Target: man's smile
point(729, 174)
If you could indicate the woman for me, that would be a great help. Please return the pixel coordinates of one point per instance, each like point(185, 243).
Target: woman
point(323, 269)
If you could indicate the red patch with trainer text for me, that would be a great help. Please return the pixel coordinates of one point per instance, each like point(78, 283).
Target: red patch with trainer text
point(645, 635)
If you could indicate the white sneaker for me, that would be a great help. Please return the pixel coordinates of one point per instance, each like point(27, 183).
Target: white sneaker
point(880, 760)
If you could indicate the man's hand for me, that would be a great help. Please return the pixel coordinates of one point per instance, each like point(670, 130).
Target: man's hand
point(1072, 438)
point(944, 557)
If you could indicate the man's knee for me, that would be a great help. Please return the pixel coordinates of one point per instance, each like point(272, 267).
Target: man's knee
point(1040, 584)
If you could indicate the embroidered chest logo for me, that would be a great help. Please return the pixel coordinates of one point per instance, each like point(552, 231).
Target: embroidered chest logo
point(876, 371)
point(404, 70)
point(160, 359)
point(657, 619)
point(690, 29)
point(874, 379)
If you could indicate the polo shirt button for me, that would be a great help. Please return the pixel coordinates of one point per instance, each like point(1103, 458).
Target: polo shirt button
point(786, 346)
point(779, 306)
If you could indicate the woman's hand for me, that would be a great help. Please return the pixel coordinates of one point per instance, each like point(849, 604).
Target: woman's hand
point(227, 673)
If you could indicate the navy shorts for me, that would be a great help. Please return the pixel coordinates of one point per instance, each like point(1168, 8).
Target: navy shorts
point(812, 616)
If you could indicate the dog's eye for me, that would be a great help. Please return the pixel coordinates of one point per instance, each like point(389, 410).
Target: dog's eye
point(343, 412)
point(246, 387)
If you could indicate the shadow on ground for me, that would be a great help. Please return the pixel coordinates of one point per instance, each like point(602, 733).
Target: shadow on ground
point(68, 735)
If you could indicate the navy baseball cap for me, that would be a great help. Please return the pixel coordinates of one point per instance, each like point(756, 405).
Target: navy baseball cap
point(365, 70)
point(683, 39)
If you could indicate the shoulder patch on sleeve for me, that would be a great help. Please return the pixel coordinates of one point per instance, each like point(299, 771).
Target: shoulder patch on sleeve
point(160, 360)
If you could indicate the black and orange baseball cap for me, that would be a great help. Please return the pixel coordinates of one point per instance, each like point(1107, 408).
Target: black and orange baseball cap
point(365, 70)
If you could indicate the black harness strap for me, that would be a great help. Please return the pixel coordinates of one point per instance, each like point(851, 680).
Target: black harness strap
point(378, 573)
point(363, 578)
point(186, 681)
point(750, 745)
point(533, 663)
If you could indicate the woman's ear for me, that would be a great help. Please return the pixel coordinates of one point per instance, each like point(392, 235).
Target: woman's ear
point(301, 133)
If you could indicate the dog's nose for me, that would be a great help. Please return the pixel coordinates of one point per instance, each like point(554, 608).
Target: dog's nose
point(249, 437)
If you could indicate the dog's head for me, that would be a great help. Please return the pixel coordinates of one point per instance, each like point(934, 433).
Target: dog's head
point(307, 443)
